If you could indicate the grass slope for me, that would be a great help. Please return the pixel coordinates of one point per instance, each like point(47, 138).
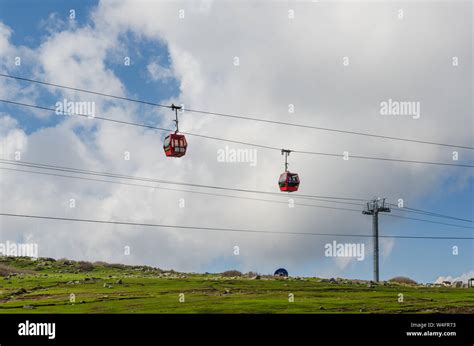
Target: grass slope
point(45, 286)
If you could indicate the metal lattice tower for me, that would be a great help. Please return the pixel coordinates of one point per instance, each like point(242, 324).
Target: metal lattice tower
point(374, 207)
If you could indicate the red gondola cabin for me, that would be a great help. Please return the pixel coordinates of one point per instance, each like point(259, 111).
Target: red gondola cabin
point(289, 182)
point(175, 145)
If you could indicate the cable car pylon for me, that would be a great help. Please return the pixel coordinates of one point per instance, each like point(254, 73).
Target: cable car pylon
point(175, 144)
point(374, 207)
point(288, 181)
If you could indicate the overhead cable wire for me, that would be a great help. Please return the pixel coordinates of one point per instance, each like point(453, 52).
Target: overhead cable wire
point(180, 190)
point(205, 228)
point(428, 213)
point(324, 199)
point(241, 142)
point(139, 178)
point(424, 220)
point(257, 119)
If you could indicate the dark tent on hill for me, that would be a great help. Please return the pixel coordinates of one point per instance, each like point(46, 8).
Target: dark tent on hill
point(281, 272)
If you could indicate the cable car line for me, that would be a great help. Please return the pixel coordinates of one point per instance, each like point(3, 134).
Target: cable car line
point(222, 229)
point(330, 129)
point(115, 175)
point(384, 159)
point(341, 200)
point(84, 91)
point(323, 199)
point(424, 220)
point(190, 191)
point(237, 197)
point(238, 116)
point(241, 142)
point(180, 190)
point(86, 115)
point(428, 213)
point(142, 125)
point(432, 214)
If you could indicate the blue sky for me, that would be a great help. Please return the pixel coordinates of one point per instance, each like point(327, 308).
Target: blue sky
point(449, 192)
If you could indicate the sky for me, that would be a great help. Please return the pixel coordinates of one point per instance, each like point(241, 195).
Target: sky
point(334, 63)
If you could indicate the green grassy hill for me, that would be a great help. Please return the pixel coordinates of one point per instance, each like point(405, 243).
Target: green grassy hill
point(46, 285)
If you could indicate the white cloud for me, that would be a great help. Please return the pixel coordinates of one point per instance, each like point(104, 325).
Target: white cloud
point(386, 247)
point(78, 57)
point(158, 72)
point(463, 277)
point(5, 33)
point(12, 139)
point(55, 23)
point(12, 60)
